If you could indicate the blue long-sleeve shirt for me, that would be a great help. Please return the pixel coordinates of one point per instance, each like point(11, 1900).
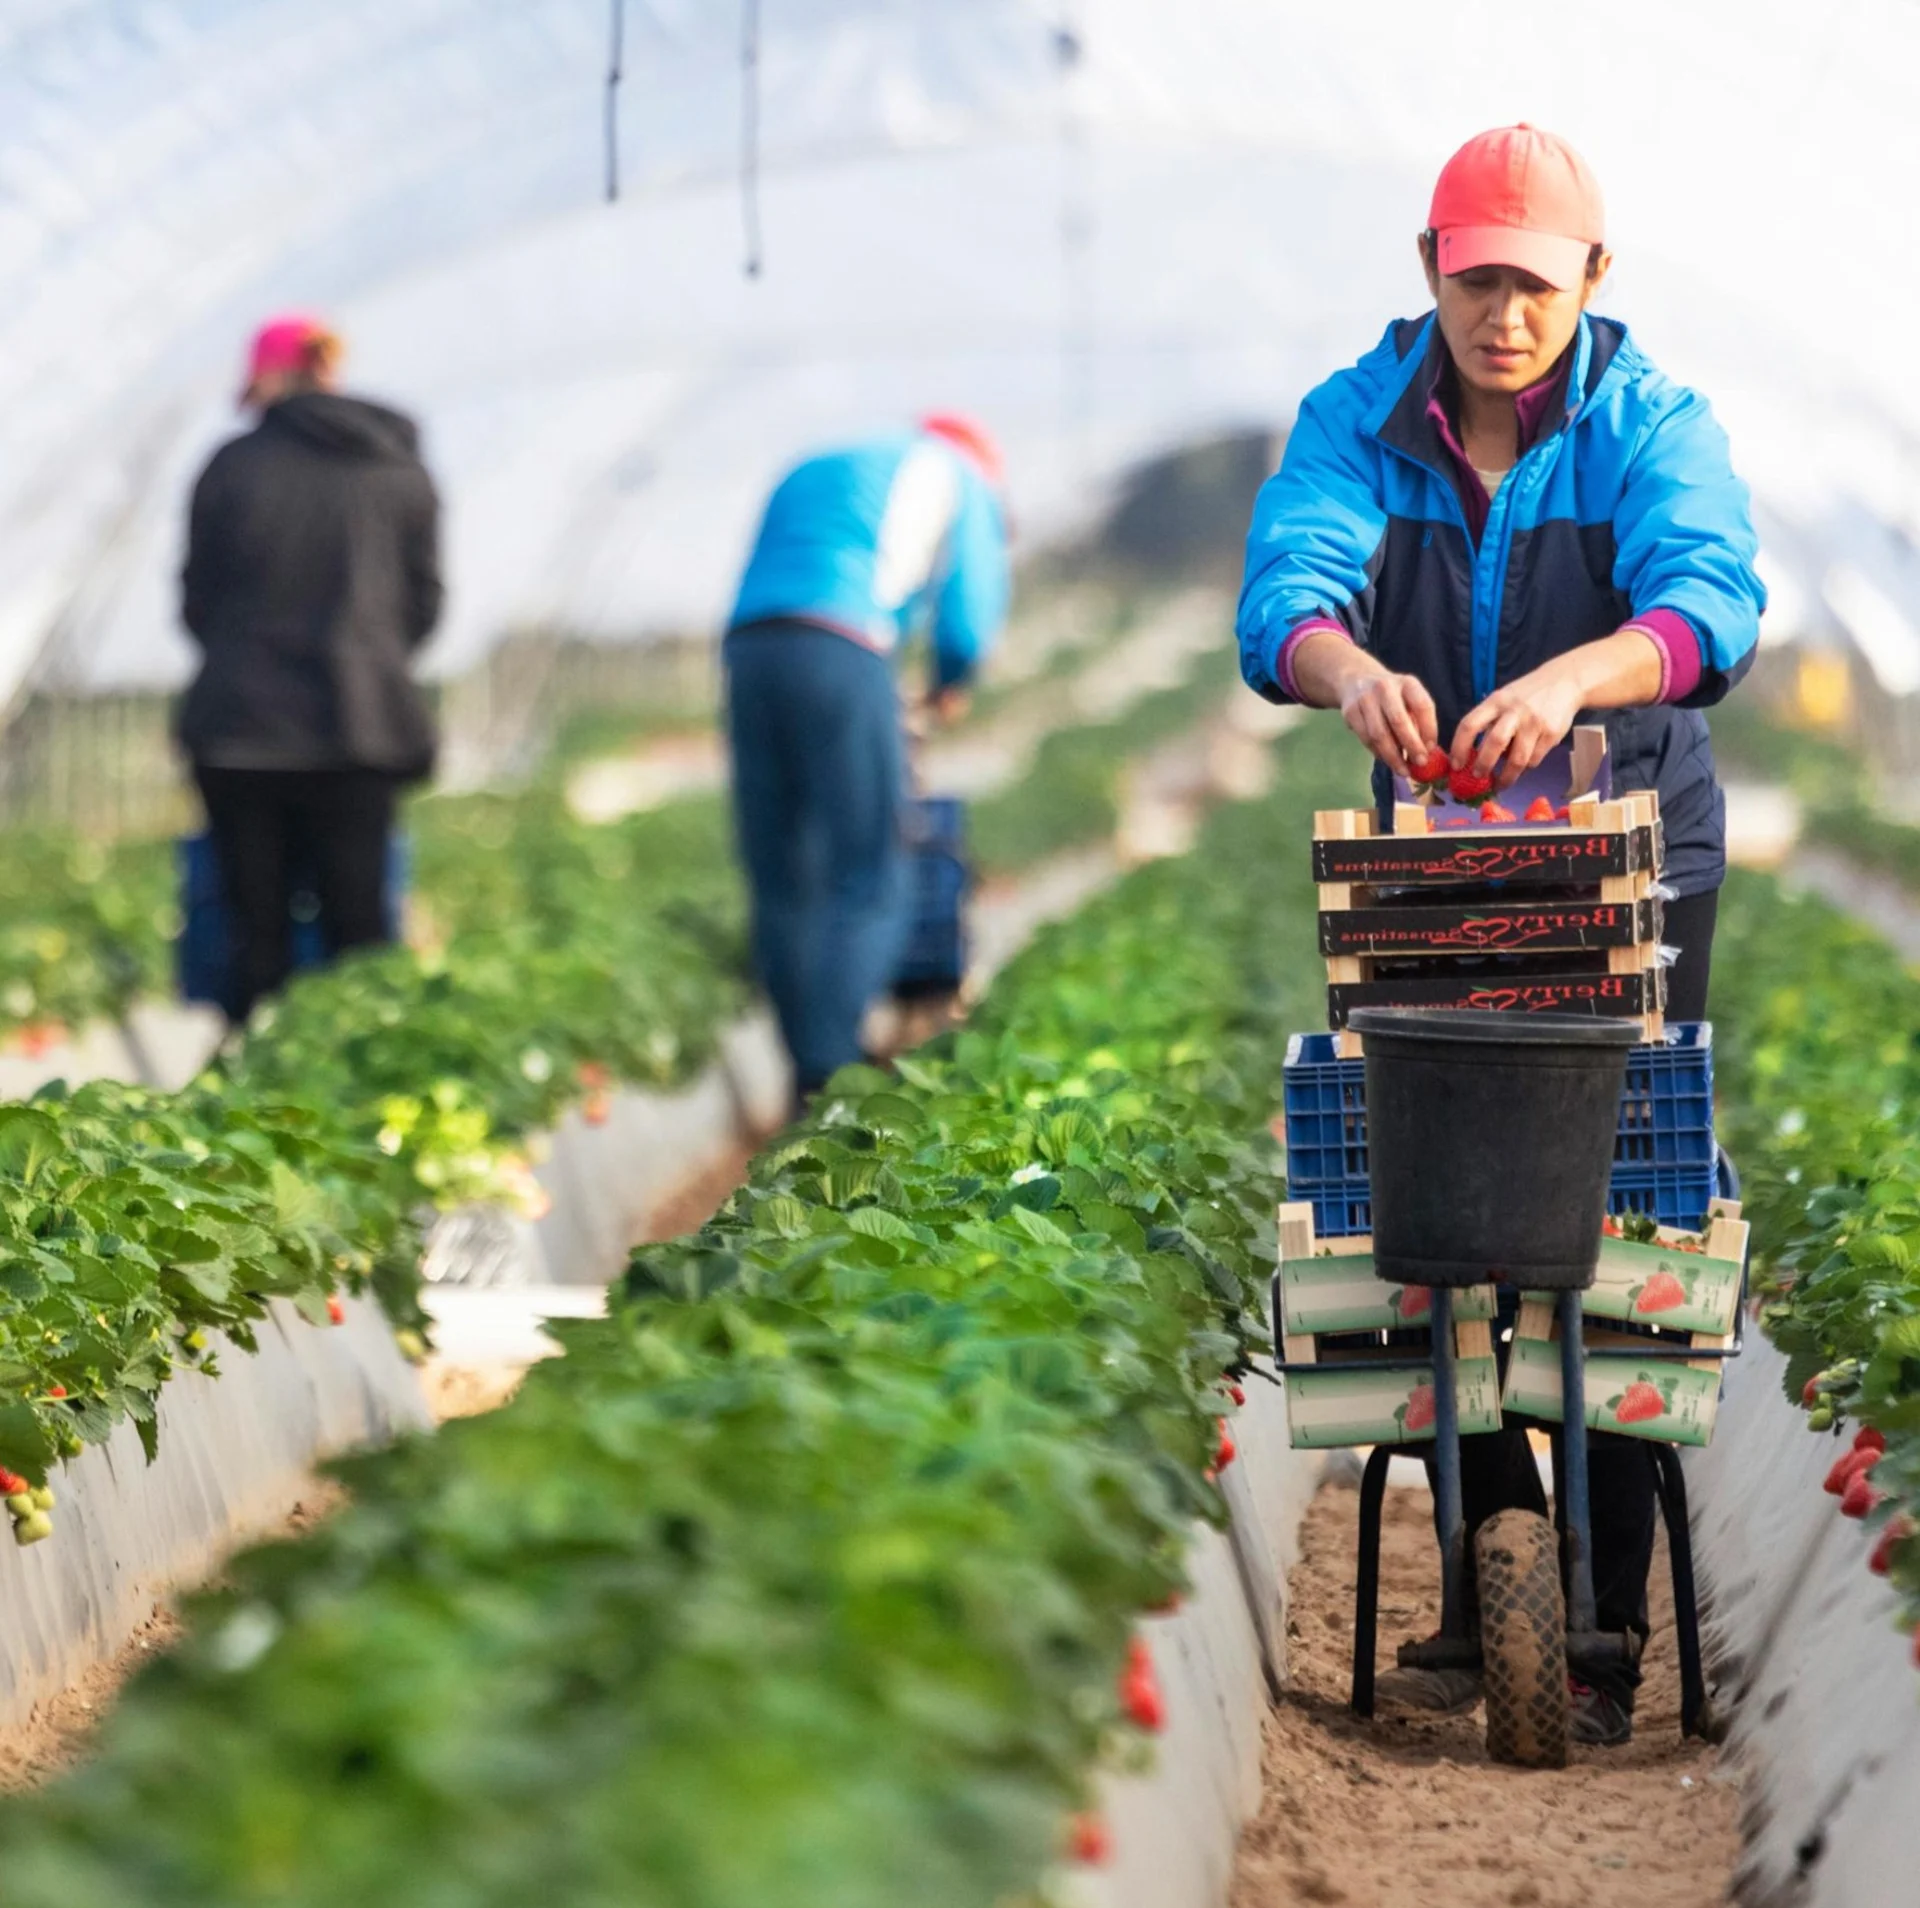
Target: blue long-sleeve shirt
point(880, 540)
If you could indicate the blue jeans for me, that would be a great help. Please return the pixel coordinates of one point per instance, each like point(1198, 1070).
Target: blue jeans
point(819, 787)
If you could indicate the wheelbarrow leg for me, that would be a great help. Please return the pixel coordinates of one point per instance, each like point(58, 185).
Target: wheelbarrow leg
point(1578, 1517)
point(1686, 1609)
point(1450, 1516)
point(1366, 1596)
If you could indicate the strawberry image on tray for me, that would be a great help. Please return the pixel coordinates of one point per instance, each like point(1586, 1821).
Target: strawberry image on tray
point(1417, 1413)
point(1413, 1301)
point(1638, 1404)
point(1661, 1293)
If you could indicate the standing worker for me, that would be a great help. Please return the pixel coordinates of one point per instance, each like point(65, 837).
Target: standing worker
point(312, 579)
point(1501, 521)
point(859, 550)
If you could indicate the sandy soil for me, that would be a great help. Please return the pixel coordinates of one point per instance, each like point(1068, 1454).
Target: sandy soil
point(54, 1737)
point(1409, 1813)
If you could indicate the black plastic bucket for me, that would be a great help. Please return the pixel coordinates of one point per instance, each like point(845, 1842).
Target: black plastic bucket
point(1490, 1140)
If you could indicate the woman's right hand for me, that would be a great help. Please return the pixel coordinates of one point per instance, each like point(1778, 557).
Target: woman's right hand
point(1394, 716)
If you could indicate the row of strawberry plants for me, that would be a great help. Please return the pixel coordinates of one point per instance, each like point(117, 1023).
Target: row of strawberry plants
point(559, 959)
point(1820, 1073)
point(812, 1574)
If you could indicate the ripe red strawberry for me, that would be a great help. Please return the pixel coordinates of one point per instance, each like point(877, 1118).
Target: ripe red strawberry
point(56, 1391)
point(1896, 1533)
point(1563, 813)
point(1228, 1450)
point(1540, 809)
point(1661, 1293)
point(336, 1308)
point(12, 1483)
point(1434, 766)
point(1846, 1467)
point(1237, 1392)
point(1088, 1838)
point(1140, 1688)
point(1639, 1402)
point(1495, 812)
point(1810, 1393)
point(1859, 1497)
point(597, 1107)
point(1469, 785)
point(1419, 1408)
point(593, 1076)
point(1868, 1439)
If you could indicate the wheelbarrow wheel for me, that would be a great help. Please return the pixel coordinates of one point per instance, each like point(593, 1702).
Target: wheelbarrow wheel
point(1523, 1634)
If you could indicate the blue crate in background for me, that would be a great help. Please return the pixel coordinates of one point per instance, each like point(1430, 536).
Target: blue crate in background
point(934, 960)
point(203, 953)
point(1664, 1157)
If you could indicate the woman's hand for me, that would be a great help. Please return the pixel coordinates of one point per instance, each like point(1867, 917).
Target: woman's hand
point(1394, 716)
point(1517, 726)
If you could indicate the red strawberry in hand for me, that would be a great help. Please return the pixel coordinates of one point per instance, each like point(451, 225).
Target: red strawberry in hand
point(1661, 1293)
point(1540, 809)
point(1638, 1403)
point(1419, 1408)
point(1469, 785)
point(1434, 766)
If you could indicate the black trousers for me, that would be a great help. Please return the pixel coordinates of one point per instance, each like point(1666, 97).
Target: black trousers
point(270, 824)
point(1497, 1470)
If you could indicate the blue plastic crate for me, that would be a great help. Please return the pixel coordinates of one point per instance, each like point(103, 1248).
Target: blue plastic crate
point(934, 959)
point(203, 954)
point(1664, 1153)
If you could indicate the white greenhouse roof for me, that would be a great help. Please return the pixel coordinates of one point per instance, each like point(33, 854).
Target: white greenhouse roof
point(605, 394)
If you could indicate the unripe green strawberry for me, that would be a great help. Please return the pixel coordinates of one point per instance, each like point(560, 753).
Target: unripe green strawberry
point(1820, 1418)
point(43, 1498)
point(33, 1530)
point(21, 1503)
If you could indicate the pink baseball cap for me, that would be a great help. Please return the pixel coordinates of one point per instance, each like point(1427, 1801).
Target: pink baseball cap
point(1518, 196)
point(972, 439)
point(282, 345)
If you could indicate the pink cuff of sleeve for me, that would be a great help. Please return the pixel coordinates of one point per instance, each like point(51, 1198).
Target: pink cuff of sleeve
point(1283, 663)
point(1679, 646)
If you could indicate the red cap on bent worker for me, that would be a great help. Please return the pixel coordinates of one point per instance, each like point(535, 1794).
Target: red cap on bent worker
point(972, 440)
point(283, 345)
point(1518, 196)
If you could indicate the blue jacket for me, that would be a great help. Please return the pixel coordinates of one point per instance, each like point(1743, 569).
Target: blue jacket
point(1624, 504)
point(877, 541)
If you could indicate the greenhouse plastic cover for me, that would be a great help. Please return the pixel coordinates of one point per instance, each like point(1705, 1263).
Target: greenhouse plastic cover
point(1179, 230)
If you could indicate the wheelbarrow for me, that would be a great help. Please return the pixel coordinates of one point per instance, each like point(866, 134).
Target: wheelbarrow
point(1490, 1141)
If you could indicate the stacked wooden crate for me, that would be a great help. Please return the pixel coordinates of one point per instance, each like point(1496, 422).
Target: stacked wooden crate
point(1541, 917)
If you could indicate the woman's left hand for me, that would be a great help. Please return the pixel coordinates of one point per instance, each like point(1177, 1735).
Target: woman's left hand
point(1517, 726)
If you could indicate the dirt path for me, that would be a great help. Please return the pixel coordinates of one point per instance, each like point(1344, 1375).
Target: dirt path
point(1409, 1813)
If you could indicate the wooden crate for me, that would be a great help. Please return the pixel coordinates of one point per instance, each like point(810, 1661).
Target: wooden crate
point(1535, 918)
point(1634, 1366)
point(1348, 1382)
point(1614, 846)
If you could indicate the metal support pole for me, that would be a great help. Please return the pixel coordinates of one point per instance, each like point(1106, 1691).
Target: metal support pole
point(1579, 1511)
point(1446, 1449)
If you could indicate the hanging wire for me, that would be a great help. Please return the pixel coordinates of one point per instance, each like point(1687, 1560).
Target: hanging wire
point(616, 57)
point(750, 132)
point(1076, 242)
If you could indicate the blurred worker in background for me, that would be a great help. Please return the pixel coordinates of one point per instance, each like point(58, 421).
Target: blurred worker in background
point(312, 578)
point(859, 550)
point(1503, 520)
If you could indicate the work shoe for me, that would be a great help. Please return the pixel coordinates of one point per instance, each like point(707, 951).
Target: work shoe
point(1598, 1720)
point(1445, 1692)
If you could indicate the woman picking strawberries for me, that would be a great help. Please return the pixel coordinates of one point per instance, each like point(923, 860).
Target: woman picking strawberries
point(1504, 519)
